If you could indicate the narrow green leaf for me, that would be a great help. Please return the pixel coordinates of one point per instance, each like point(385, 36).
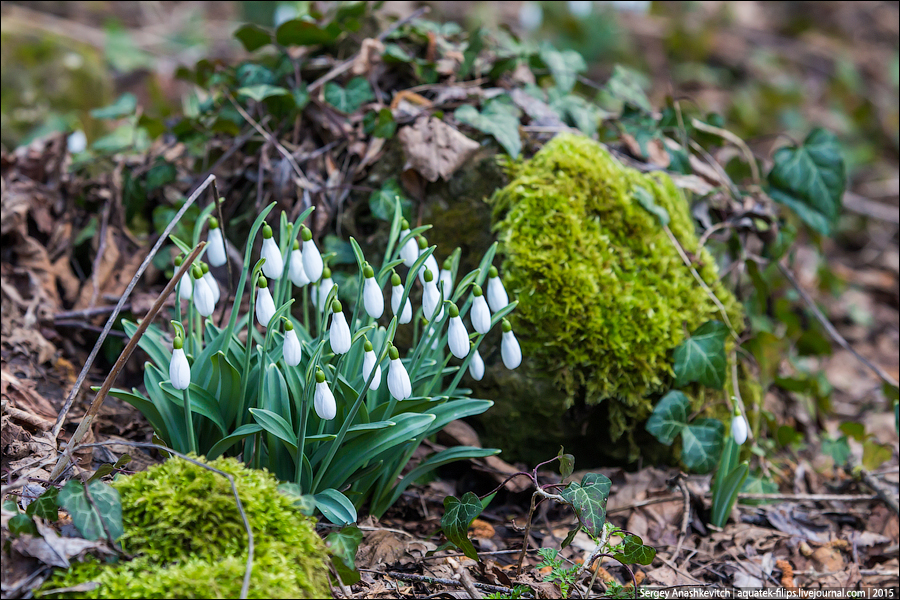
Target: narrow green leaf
point(336, 507)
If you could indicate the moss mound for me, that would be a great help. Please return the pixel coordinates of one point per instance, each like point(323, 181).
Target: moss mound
point(182, 522)
point(604, 296)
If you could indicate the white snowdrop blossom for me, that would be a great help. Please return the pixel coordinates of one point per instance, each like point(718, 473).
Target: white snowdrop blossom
point(445, 279)
point(373, 298)
point(274, 265)
point(370, 361)
point(431, 298)
point(398, 379)
point(76, 142)
point(319, 293)
point(296, 271)
point(179, 369)
point(312, 259)
point(580, 8)
point(185, 287)
point(509, 347)
point(396, 296)
point(739, 428)
point(496, 293)
point(430, 262)
point(211, 282)
point(326, 407)
point(457, 336)
point(531, 15)
point(292, 350)
point(215, 244)
point(339, 330)
point(409, 251)
point(203, 296)
point(476, 366)
point(481, 314)
point(265, 305)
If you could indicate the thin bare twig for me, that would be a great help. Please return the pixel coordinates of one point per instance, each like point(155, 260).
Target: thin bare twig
point(737, 141)
point(122, 301)
point(886, 495)
point(451, 582)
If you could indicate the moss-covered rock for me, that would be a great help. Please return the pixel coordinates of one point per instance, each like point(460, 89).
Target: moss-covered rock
point(183, 524)
point(604, 296)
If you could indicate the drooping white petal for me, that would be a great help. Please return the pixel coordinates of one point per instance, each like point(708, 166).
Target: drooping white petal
point(373, 298)
point(369, 363)
point(431, 265)
point(319, 294)
point(446, 278)
point(292, 350)
point(431, 298)
point(739, 429)
point(458, 337)
point(340, 333)
point(496, 294)
point(213, 284)
point(481, 315)
point(312, 260)
point(203, 297)
point(326, 407)
point(409, 252)
point(476, 366)
point(185, 286)
point(274, 265)
point(296, 271)
point(396, 295)
point(510, 350)
point(215, 248)
point(179, 370)
point(398, 381)
point(265, 306)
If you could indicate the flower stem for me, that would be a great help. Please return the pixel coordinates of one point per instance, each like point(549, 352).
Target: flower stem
point(189, 422)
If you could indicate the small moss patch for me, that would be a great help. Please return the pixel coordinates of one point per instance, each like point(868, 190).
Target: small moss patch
point(182, 522)
point(604, 296)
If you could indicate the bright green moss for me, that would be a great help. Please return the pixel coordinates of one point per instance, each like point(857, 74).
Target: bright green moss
point(604, 296)
point(182, 522)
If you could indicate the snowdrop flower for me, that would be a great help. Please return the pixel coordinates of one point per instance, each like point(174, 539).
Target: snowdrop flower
point(481, 314)
point(431, 298)
point(509, 347)
point(409, 251)
point(312, 259)
point(292, 351)
point(185, 287)
point(476, 365)
point(430, 262)
point(370, 361)
point(319, 294)
point(203, 296)
point(446, 278)
point(296, 271)
point(531, 15)
point(274, 265)
point(457, 336)
point(496, 293)
point(211, 282)
point(398, 378)
point(373, 298)
point(265, 305)
point(179, 369)
point(739, 427)
point(396, 296)
point(215, 244)
point(326, 407)
point(340, 330)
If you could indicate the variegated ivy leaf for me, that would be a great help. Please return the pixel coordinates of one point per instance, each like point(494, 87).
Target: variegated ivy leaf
point(90, 515)
point(589, 501)
point(458, 515)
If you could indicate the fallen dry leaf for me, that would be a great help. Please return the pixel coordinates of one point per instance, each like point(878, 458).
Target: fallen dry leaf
point(53, 550)
point(435, 149)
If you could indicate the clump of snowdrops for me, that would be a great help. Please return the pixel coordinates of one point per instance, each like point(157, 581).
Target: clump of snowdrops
point(316, 391)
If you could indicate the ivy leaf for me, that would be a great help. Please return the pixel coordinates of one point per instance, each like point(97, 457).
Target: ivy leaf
point(646, 200)
point(384, 126)
point(635, 552)
point(253, 37)
point(306, 503)
point(90, 516)
point(303, 32)
point(498, 123)
point(262, 91)
point(669, 417)
point(301, 96)
point(46, 506)
point(589, 501)
point(458, 515)
point(702, 444)
point(625, 84)
point(701, 357)
point(564, 66)
point(343, 545)
point(351, 98)
point(810, 179)
point(576, 110)
point(838, 449)
point(382, 201)
point(22, 523)
point(570, 536)
point(124, 106)
point(566, 463)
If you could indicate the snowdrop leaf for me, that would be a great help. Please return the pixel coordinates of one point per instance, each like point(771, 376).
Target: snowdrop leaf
point(275, 425)
point(335, 507)
point(701, 357)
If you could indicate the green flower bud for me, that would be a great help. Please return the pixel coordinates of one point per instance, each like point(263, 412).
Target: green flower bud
point(423, 243)
point(326, 273)
point(368, 272)
point(213, 223)
point(261, 282)
point(306, 234)
point(288, 326)
point(320, 376)
point(267, 232)
point(367, 346)
point(448, 264)
point(394, 353)
point(336, 306)
point(395, 279)
point(404, 224)
point(179, 260)
point(492, 272)
point(476, 290)
point(454, 312)
point(178, 343)
point(429, 276)
point(204, 267)
point(296, 244)
point(197, 272)
point(506, 326)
